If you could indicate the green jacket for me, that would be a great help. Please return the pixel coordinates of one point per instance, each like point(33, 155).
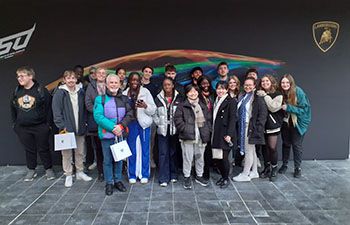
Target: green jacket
point(302, 111)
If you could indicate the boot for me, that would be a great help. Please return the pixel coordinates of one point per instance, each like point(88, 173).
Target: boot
point(267, 171)
point(273, 174)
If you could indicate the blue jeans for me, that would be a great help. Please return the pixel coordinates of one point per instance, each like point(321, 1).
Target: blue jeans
point(112, 170)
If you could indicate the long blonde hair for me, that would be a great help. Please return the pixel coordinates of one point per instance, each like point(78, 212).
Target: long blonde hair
point(238, 84)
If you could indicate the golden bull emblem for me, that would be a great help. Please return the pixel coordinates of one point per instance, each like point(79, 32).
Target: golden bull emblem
point(325, 34)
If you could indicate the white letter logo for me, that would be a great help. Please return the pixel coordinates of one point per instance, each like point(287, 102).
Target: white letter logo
point(16, 43)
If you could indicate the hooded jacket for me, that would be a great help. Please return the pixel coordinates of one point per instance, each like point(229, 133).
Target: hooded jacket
point(68, 114)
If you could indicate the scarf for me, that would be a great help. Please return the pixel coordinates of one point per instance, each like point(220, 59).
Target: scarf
point(200, 119)
point(101, 88)
point(242, 113)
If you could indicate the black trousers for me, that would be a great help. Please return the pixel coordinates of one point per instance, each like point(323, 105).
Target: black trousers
point(291, 138)
point(93, 144)
point(208, 156)
point(224, 164)
point(35, 139)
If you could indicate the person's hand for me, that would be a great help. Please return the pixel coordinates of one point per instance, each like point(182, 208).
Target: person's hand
point(227, 138)
point(117, 130)
point(284, 107)
point(140, 104)
point(63, 131)
point(261, 93)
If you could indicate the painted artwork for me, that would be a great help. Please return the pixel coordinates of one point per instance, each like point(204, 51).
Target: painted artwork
point(184, 61)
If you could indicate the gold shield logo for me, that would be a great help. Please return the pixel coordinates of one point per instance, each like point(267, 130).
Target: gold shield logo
point(325, 34)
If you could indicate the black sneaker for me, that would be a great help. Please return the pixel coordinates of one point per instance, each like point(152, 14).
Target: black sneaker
point(273, 174)
point(100, 177)
point(225, 183)
point(120, 186)
point(218, 183)
point(297, 172)
point(201, 181)
point(109, 189)
point(283, 169)
point(187, 183)
point(266, 172)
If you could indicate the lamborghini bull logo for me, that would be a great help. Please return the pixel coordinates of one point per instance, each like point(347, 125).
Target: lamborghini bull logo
point(325, 34)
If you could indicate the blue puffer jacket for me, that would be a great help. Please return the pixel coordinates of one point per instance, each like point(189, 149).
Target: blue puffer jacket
point(302, 111)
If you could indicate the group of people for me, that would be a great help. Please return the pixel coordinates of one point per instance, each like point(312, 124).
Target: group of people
point(207, 122)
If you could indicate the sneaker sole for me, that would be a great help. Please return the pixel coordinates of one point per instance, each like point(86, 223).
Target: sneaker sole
point(198, 182)
point(31, 179)
point(187, 187)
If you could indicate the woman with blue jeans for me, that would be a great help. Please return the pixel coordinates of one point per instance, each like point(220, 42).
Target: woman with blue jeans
point(112, 114)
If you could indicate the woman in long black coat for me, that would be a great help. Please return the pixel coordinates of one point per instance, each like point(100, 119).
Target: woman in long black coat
point(224, 130)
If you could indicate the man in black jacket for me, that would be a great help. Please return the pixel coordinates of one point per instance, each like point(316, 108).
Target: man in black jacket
point(31, 113)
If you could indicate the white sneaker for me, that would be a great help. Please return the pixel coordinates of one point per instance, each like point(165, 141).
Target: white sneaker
point(69, 181)
point(253, 175)
point(164, 184)
point(173, 180)
point(92, 166)
point(241, 177)
point(132, 181)
point(83, 176)
point(144, 180)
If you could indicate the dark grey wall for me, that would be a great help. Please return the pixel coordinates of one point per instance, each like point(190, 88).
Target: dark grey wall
point(87, 32)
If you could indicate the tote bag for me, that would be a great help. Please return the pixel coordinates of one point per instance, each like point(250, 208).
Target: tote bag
point(65, 141)
point(120, 150)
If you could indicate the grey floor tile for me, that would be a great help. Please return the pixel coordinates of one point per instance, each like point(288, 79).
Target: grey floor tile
point(94, 197)
point(256, 208)
point(185, 206)
point(63, 208)
point(160, 218)
point(51, 198)
point(117, 197)
point(202, 196)
point(112, 207)
point(81, 219)
point(39, 208)
point(341, 217)
point(139, 197)
point(210, 206)
point(54, 219)
point(318, 217)
point(184, 196)
point(162, 196)
point(213, 217)
point(161, 206)
point(281, 205)
point(88, 207)
point(137, 207)
point(28, 219)
point(134, 218)
point(239, 219)
point(107, 219)
point(187, 218)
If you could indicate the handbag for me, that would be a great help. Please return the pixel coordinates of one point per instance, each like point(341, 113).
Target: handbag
point(217, 153)
point(65, 141)
point(120, 150)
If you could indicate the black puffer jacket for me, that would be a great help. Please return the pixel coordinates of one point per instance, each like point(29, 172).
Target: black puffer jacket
point(185, 122)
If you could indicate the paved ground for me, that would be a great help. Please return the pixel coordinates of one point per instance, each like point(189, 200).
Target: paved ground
point(321, 196)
